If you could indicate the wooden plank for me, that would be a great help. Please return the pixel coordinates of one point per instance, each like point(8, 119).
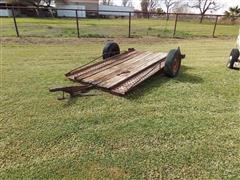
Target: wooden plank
point(108, 69)
point(109, 73)
point(140, 61)
point(82, 70)
point(135, 80)
point(132, 71)
point(114, 71)
point(113, 63)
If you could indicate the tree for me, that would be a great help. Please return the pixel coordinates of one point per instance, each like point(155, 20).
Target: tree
point(25, 2)
point(232, 13)
point(35, 3)
point(144, 5)
point(204, 6)
point(180, 7)
point(126, 3)
point(153, 4)
point(169, 4)
point(149, 5)
point(160, 11)
point(106, 2)
point(48, 2)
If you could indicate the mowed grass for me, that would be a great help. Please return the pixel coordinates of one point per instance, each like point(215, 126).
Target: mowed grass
point(109, 28)
point(182, 128)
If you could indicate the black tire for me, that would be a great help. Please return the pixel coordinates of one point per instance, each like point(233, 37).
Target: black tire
point(173, 63)
point(234, 55)
point(110, 49)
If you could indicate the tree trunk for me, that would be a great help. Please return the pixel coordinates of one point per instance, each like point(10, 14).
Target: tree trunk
point(201, 20)
point(37, 8)
point(37, 12)
point(51, 12)
point(167, 14)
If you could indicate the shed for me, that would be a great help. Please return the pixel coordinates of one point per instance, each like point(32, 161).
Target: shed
point(71, 13)
point(4, 12)
point(115, 10)
point(91, 7)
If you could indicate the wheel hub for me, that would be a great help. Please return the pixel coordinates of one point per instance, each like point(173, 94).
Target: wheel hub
point(175, 66)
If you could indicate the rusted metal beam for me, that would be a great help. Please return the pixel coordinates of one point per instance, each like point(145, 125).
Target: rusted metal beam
point(129, 24)
point(15, 22)
point(215, 26)
point(77, 22)
point(175, 26)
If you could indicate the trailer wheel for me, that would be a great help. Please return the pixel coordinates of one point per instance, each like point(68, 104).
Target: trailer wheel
point(233, 58)
point(173, 63)
point(110, 49)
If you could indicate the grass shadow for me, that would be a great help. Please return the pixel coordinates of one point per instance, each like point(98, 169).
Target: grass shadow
point(158, 80)
point(186, 77)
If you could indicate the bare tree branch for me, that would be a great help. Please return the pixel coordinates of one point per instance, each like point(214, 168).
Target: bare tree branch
point(149, 5)
point(204, 6)
point(169, 4)
point(180, 7)
point(126, 3)
point(106, 2)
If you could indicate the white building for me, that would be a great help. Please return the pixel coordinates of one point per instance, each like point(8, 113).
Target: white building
point(4, 12)
point(71, 13)
point(107, 10)
point(82, 5)
point(92, 8)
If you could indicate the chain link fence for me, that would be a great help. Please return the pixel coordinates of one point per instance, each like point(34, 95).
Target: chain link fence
point(132, 24)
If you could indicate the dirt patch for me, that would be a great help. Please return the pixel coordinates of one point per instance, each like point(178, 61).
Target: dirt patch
point(117, 173)
point(32, 40)
point(76, 41)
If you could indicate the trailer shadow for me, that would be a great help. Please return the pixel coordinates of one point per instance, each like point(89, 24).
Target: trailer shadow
point(186, 77)
point(72, 100)
point(158, 80)
point(148, 85)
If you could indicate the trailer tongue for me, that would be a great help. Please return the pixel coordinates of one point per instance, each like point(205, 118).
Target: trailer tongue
point(121, 72)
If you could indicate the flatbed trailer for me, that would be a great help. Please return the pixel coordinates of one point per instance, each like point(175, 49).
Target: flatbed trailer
point(121, 72)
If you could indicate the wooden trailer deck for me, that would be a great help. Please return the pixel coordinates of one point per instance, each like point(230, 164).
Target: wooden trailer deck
point(120, 73)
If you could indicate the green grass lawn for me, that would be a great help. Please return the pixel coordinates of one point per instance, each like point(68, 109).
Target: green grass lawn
point(36, 27)
point(182, 128)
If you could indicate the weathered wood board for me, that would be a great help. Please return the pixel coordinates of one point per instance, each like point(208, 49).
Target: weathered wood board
point(120, 73)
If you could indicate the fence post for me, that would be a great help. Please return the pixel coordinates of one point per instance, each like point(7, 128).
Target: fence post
point(77, 19)
point(15, 22)
point(175, 26)
point(215, 26)
point(129, 25)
